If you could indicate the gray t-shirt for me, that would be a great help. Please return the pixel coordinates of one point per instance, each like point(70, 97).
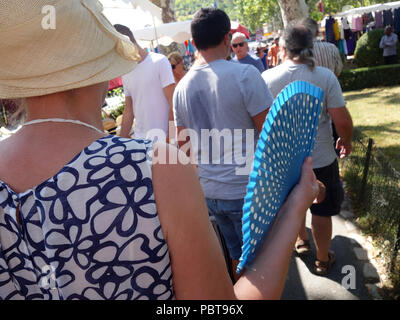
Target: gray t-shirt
point(251, 60)
point(218, 101)
point(279, 77)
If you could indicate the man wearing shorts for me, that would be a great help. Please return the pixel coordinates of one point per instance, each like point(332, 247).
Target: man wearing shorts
point(299, 64)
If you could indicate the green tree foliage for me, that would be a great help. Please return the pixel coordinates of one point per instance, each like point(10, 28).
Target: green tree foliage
point(185, 9)
point(254, 13)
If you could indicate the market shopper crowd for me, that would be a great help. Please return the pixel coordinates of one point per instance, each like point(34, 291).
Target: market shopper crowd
point(108, 217)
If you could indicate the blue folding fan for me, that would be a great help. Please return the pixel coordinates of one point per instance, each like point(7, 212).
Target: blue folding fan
point(286, 140)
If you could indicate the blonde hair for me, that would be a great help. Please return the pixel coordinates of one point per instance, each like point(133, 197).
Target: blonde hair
point(175, 58)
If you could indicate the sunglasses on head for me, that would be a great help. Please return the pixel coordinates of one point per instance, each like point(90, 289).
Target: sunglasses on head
point(174, 65)
point(241, 44)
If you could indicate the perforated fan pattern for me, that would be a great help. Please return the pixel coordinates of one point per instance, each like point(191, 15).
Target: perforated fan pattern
point(286, 140)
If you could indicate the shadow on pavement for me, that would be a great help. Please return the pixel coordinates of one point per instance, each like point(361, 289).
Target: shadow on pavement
point(345, 281)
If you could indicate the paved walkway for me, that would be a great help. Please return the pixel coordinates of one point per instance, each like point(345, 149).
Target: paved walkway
point(352, 268)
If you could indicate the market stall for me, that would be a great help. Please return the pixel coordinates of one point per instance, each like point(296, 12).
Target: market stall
point(166, 33)
point(345, 28)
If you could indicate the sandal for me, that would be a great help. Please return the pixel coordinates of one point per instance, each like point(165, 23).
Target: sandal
point(303, 246)
point(322, 268)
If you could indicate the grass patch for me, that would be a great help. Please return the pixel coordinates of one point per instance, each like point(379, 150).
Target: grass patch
point(376, 112)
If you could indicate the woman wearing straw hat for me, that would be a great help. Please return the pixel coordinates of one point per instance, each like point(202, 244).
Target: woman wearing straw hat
point(87, 216)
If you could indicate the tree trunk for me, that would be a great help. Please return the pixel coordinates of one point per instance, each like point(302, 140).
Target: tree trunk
point(292, 10)
point(168, 15)
point(168, 12)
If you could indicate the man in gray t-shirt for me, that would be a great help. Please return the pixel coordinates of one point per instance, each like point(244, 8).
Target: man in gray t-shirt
point(279, 77)
point(224, 105)
point(300, 65)
point(241, 49)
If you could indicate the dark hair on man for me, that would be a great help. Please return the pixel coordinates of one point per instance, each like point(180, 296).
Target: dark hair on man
point(125, 31)
point(310, 24)
point(209, 27)
point(298, 41)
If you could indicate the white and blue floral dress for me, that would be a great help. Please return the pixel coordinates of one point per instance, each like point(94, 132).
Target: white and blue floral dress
point(89, 232)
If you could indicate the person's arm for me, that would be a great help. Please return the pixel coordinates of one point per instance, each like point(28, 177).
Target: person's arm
point(127, 118)
point(184, 144)
point(338, 62)
point(265, 278)
point(256, 96)
point(260, 65)
point(181, 143)
point(344, 128)
point(391, 42)
point(259, 120)
point(169, 93)
point(167, 82)
point(382, 43)
point(198, 266)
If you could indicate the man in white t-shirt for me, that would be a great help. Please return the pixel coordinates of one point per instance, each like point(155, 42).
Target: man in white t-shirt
point(148, 94)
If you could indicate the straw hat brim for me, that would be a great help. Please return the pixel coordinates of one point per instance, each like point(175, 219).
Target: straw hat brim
point(83, 50)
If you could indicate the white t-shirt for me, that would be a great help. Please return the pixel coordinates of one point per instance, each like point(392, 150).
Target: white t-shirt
point(145, 86)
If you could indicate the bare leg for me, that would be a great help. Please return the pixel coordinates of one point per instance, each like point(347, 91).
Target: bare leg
point(322, 233)
point(303, 235)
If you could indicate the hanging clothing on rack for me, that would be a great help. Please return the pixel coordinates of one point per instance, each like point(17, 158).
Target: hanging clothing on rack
point(387, 18)
point(336, 31)
point(329, 32)
point(365, 21)
point(356, 24)
point(341, 29)
point(348, 34)
point(378, 19)
point(397, 20)
point(320, 7)
point(345, 23)
point(346, 51)
point(340, 46)
point(350, 42)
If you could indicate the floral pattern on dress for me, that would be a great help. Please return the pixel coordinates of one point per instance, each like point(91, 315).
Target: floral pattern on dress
point(89, 232)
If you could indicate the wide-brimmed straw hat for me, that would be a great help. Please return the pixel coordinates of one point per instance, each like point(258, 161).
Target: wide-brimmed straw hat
point(49, 46)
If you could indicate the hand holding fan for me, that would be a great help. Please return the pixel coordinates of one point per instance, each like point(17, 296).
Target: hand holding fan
point(286, 140)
